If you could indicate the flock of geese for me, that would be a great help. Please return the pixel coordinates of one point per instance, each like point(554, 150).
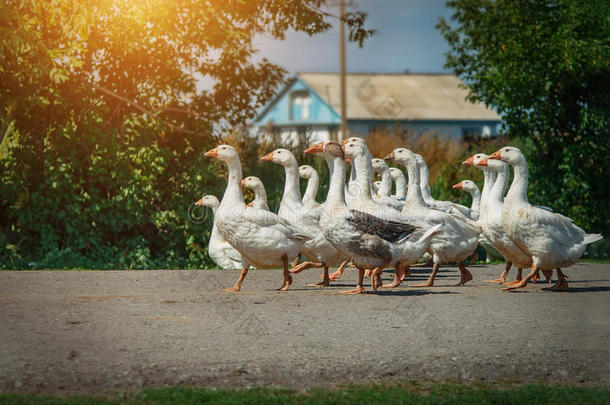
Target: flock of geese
point(364, 223)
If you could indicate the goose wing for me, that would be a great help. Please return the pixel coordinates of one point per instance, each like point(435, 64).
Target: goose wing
point(391, 231)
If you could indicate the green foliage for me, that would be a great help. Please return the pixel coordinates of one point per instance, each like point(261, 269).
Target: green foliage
point(545, 67)
point(103, 123)
point(411, 392)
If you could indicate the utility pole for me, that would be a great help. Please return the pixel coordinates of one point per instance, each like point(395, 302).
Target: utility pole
point(342, 63)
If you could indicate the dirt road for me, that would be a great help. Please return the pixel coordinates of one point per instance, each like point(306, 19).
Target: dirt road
point(77, 331)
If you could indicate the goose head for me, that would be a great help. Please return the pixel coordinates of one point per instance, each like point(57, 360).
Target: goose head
point(379, 166)
point(251, 182)
point(396, 173)
point(510, 155)
point(353, 139)
point(280, 156)
point(353, 149)
point(306, 172)
point(402, 156)
point(493, 164)
point(466, 185)
point(474, 159)
point(223, 152)
point(208, 201)
point(328, 148)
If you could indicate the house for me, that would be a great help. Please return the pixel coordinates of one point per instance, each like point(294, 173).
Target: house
point(309, 106)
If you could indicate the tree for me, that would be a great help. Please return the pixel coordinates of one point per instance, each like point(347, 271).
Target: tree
point(107, 123)
point(545, 67)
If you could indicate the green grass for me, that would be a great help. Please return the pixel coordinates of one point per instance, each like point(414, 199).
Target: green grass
point(387, 393)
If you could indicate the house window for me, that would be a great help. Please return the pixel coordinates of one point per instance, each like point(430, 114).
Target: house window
point(299, 108)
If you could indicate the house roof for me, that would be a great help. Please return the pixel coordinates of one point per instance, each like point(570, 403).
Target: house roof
point(375, 96)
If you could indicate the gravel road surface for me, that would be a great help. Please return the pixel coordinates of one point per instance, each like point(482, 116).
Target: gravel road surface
point(92, 331)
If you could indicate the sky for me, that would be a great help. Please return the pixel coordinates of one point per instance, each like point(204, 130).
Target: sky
point(406, 39)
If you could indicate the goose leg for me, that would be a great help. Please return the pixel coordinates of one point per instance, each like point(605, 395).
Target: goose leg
point(465, 275)
point(367, 273)
point(359, 289)
point(430, 281)
point(517, 279)
point(287, 276)
point(337, 274)
point(562, 283)
point(547, 275)
point(536, 275)
point(325, 279)
point(523, 282)
point(397, 275)
point(240, 280)
point(296, 260)
point(502, 276)
point(404, 272)
point(305, 265)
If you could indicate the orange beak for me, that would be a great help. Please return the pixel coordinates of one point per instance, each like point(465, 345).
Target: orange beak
point(389, 156)
point(343, 142)
point(348, 161)
point(268, 157)
point(495, 155)
point(199, 203)
point(315, 148)
point(212, 153)
point(251, 204)
point(243, 182)
point(483, 162)
point(469, 161)
point(459, 185)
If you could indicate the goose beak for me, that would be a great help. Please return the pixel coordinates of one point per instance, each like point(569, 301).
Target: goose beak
point(495, 155)
point(343, 142)
point(469, 161)
point(483, 162)
point(199, 202)
point(459, 186)
point(389, 156)
point(268, 157)
point(212, 153)
point(348, 161)
point(250, 204)
point(243, 182)
point(315, 148)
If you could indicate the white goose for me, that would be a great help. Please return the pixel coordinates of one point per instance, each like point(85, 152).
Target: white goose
point(489, 177)
point(260, 194)
point(459, 236)
point(384, 190)
point(313, 183)
point(471, 188)
point(219, 250)
point(424, 184)
point(361, 176)
point(372, 236)
point(551, 240)
point(321, 253)
point(400, 182)
point(264, 239)
point(491, 220)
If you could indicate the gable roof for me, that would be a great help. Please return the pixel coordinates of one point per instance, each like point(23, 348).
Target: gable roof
point(418, 97)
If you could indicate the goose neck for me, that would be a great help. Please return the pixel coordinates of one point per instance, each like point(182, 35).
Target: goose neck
point(292, 193)
point(518, 189)
point(233, 192)
point(336, 188)
point(385, 189)
point(312, 188)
